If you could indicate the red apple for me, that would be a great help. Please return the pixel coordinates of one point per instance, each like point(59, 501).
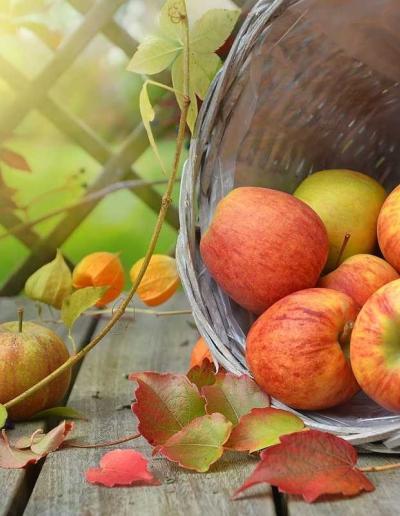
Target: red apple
point(375, 347)
point(360, 276)
point(262, 245)
point(26, 357)
point(389, 229)
point(298, 349)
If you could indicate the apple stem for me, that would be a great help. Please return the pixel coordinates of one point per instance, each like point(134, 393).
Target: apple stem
point(345, 336)
point(346, 239)
point(20, 319)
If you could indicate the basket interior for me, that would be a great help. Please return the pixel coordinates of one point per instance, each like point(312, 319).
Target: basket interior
point(310, 86)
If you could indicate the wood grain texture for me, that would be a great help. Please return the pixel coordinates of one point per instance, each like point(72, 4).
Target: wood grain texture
point(385, 500)
point(16, 485)
point(100, 391)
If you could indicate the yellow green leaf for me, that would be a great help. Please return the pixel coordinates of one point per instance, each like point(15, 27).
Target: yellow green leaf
point(203, 69)
point(79, 301)
point(212, 30)
point(234, 396)
point(263, 427)
point(148, 116)
point(199, 444)
point(3, 415)
point(154, 55)
point(51, 284)
point(172, 19)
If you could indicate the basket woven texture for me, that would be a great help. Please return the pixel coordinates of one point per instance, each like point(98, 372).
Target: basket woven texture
point(308, 85)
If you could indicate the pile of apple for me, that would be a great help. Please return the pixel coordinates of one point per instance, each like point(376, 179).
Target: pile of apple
point(328, 307)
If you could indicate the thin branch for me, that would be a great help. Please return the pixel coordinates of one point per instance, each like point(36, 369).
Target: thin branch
point(94, 196)
point(166, 203)
point(71, 444)
point(384, 467)
point(143, 311)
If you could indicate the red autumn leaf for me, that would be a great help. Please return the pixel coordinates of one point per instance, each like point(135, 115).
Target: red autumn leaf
point(234, 396)
point(261, 428)
point(165, 403)
point(25, 442)
point(203, 374)
point(31, 450)
point(14, 160)
point(53, 440)
point(122, 468)
point(13, 458)
point(310, 464)
point(199, 444)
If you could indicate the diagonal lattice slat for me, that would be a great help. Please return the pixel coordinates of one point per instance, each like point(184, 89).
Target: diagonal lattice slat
point(83, 135)
point(116, 167)
point(36, 95)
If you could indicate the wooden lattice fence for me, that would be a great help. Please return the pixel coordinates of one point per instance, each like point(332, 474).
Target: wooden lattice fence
point(36, 94)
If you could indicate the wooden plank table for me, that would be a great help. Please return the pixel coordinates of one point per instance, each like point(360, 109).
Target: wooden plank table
point(103, 393)
point(16, 485)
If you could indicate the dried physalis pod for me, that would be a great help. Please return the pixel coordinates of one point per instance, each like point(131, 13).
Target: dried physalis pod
point(160, 281)
point(51, 284)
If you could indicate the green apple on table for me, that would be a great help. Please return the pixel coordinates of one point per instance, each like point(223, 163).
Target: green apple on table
point(348, 202)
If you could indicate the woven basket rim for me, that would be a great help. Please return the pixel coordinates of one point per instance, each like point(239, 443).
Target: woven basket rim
point(187, 248)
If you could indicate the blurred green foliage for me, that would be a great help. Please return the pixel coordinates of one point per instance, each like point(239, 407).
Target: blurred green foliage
point(99, 91)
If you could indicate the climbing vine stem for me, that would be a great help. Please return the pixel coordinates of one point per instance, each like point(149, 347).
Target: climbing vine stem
point(166, 202)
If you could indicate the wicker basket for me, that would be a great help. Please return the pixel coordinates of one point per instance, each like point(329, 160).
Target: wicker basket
point(308, 85)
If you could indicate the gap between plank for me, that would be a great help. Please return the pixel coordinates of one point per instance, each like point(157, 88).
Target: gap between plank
point(280, 502)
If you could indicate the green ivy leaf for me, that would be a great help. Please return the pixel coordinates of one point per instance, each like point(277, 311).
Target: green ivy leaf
point(59, 412)
point(154, 55)
point(168, 48)
point(212, 30)
point(263, 427)
point(199, 444)
point(203, 68)
point(79, 301)
point(3, 416)
point(51, 284)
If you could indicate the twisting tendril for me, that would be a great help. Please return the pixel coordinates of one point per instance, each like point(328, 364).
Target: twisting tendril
point(175, 14)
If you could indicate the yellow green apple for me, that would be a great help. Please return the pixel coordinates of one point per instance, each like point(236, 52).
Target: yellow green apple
point(28, 353)
point(389, 229)
point(298, 350)
point(375, 347)
point(360, 276)
point(348, 203)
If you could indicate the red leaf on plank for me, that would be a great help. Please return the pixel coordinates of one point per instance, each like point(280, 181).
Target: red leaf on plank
point(203, 374)
point(165, 403)
point(53, 440)
point(31, 450)
point(310, 464)
point(234, 396)
point(14, 160)
point(261, 428)
point(199, 444)
point(122, 468)
point(13, 458)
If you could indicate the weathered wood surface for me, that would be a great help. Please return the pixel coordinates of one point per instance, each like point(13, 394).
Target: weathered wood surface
point(101, 390)
point(104, 394)
point(384, 501)
point(16, 485)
